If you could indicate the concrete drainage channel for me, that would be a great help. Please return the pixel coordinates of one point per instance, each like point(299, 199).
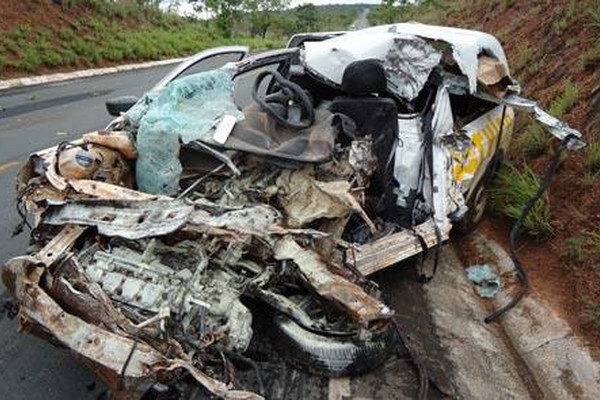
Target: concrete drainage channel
point(530, 353)
point(562, 366)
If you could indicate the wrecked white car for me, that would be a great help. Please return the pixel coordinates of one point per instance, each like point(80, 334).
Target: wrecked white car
point(354, 151)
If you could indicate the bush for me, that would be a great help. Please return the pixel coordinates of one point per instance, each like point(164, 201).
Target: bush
point(3, 62)
point(591, 313)
point(590, 59)
point(68, 57)
point(112, 54)
point(534, 141)
point(30, 59)
point(525, 55)
point(594, 13)
point(589, 179)
point(114, 32)
point(511, 191)
point(574, 250)
point(52, 58)
point(565, 101)
point(592, 156)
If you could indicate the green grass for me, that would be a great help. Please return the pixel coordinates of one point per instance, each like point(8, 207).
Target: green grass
point(591, 312)
point(565, 101)
point(533, 142)
point(31, 59)
point(565, 16)
point(115, 33)
point(594, 13)
point(590, 59)
point(511, 191)
point(593, 240)
point(525, 55)
point(589, 178)
point(506, 4)
point(592, 156)
point(575, 251)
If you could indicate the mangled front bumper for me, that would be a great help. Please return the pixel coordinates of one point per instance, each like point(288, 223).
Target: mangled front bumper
point(70, 310)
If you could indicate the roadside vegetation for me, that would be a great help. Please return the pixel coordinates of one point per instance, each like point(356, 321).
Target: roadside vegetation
point(554, 51)
point(512, 190)
point(40, 36)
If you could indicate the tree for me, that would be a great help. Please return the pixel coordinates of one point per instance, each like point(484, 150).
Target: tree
point(224, 11)
point(284, 23)
point(262, 14)
point(308, 17)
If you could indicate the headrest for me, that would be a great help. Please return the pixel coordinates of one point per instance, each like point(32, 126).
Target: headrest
point(364, 77)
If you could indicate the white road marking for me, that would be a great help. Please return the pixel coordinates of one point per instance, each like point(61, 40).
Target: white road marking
point(9, 165)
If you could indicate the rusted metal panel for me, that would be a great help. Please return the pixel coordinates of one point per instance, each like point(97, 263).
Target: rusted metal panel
point(127, 364)
point(127, 219)
point(372, 257)
point(362, 307)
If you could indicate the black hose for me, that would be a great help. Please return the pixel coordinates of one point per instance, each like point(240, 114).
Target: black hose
point(421, 370)
point(252, 364)
point(126, 364)
point(514, 233)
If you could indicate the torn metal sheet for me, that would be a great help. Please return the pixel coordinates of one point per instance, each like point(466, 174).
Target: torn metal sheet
point(251, 220)
point(404, 52)
point(466, 44)
point(108, 191)
point(389, 250)
point(408, 157)
point(305, 199)
point(362, 159)
point(556, 127)
point(127, 219)
point(442, 125)
point(362, 307)
point(408, 59)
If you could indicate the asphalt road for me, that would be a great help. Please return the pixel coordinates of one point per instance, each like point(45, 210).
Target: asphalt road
point(362, 22)
point(32, 119)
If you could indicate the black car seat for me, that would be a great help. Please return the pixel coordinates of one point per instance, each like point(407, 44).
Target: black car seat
point(364, 82)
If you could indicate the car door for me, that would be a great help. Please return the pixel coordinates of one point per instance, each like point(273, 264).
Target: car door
point(481, 122)
point(204, 61)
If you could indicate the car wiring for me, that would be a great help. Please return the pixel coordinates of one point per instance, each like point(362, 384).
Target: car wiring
point(516, 229)
point(422, 373)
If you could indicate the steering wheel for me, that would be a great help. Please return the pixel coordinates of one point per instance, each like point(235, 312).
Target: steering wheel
point(290, 105)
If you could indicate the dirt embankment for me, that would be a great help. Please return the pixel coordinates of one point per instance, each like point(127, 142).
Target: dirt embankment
point(553, 44)
point(44, 36)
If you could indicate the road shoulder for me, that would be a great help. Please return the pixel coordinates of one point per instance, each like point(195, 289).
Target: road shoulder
point(66, 76)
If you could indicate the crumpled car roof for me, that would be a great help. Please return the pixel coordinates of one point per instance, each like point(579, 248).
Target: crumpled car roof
point(329, 57)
